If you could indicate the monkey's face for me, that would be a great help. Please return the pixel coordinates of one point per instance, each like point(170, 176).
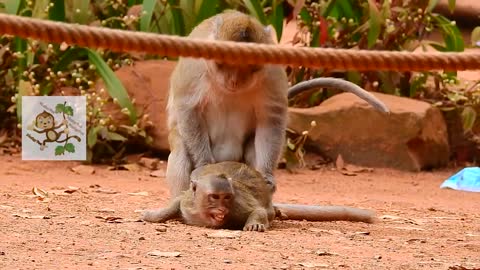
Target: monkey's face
point(44, 121)
point(216, 207)
point(235, 79)
point(214, 200)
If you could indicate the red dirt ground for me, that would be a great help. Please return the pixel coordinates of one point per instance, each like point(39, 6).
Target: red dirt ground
point(420, 226)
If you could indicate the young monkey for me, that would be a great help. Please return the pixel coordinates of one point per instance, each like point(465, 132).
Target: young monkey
point(232, 195)
point(220, 112)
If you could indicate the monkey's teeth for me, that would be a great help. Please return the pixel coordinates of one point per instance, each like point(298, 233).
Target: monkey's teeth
point(219, 217)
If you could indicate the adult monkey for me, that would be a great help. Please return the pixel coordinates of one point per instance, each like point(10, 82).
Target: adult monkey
point(220, 112)
point(232, 195)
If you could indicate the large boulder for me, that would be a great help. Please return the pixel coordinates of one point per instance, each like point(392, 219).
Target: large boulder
point(412, 137)
point(146, 82)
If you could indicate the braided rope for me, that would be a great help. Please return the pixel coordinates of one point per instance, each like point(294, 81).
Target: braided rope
point(231, 52)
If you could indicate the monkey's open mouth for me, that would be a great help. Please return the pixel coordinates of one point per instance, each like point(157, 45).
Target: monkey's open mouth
point(218, 217)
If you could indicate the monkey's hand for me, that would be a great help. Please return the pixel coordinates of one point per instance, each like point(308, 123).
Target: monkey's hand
point(256, 227)
point(66, 131)
point(31, 126)
point(270, 179)
point(257, 221)
point(156, 215)
point(172, 211)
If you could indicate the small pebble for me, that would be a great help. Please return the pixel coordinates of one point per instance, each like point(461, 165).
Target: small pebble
point(161, 229)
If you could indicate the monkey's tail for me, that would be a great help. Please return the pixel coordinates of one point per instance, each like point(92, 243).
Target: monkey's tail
point(344, 85)
point(70, 137)
point(323, 213)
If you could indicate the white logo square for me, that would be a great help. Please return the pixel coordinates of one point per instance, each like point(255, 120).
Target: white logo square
point(54, 128)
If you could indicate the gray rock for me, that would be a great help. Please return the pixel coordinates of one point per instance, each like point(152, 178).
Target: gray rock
point(413, 137)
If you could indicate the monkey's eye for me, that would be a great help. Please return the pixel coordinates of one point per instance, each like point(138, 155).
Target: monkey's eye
point(214, 196)
point(228, 197)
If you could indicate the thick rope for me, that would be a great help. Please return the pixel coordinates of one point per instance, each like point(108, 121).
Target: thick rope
point(233, 52)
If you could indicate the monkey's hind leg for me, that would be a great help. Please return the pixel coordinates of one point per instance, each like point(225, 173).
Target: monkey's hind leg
point(257, 221)
point(179, 168)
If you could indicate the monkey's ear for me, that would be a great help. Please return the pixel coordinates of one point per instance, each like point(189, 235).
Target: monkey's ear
point(217, 24)
point(193, 185)
point(270, 31)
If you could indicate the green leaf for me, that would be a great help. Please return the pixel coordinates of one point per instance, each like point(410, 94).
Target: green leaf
point(68, 57)
point(81, 11)
point(469, 116)
point(256, 10)
point(59, 150)
point(386, 83)
point(205, 10)
point(69, 147)
point(431, 5)
point(57, 12)
point(346, 8)
point(114, 86)
point(177, 17)
point(437, 46)
point(39, 9)
point(59, 108)
point(374, 24)
point(92, 136)
point(148, 7)
point(354, 77)
point(12, 6)
point(277, 17)
point(451, 5)
point(417, 83)
point(305, 16)
point(475, 37)
point(68, 110)
point(113, 136)
point(451, 34)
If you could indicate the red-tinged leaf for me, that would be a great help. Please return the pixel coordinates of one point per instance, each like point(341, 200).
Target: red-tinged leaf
point(323, 37)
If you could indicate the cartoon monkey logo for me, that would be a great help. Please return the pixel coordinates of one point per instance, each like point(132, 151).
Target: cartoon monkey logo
point(45, 123)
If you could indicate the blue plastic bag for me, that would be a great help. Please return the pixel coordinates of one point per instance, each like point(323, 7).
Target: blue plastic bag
point(468, 179)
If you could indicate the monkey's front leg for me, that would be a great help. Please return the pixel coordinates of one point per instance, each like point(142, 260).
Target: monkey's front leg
point(193, 131)
point(257, 221)
point(172, 211)
point(264, 150)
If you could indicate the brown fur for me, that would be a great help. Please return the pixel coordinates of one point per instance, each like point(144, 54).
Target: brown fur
point(220, 112)
point(251, 207)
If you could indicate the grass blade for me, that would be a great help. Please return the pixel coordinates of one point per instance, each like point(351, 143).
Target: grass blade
point(277, 17)
point(256, 10)
point(431, 5)
point(451, 5)
point(206, 10)
point(114, 86)
point(469, 116)
point(12, 6)
point(148, 7)
point(177, 17)
point(374, 24)
point(81, 10)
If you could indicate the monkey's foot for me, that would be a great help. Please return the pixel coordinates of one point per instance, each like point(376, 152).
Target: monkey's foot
point(42, 147)
point(254, 227)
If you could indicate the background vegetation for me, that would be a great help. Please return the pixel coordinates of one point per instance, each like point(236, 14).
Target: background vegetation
point(29, 67)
